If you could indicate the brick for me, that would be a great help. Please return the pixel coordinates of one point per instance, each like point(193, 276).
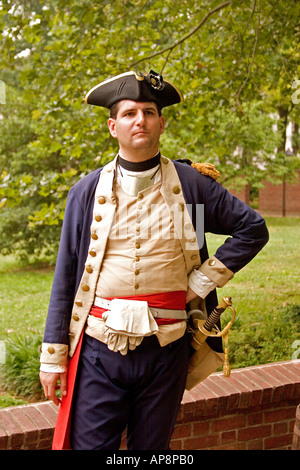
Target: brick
point(255, 444)
point(219, 391)
point(271, 198)
point(12, 428)
point(265, 387)
point(255, 418)
point(176, 444)
point(229, 422)
point(44, 427)
point(254, 432)
point(281, 414)
point(232, 394)
point(187, 412)
point(182, 430)
point(202, 442)
point(200, 427)
point(277, 442)
point(3, 439)
point(228, 437)
point(45, 444)
point(245, 393)
point(48, 411)
point(233, 446)
point(280, 428)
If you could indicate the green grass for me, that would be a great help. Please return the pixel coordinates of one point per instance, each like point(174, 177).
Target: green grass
point(24, 297)
point(266, 295)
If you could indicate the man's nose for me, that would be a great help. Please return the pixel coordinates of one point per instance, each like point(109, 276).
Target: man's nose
point(140, 117)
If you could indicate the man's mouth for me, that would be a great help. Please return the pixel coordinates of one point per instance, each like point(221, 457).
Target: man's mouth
point(141, 133)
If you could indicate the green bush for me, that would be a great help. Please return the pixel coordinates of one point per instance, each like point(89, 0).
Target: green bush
point(20, 371)
point(266, 339)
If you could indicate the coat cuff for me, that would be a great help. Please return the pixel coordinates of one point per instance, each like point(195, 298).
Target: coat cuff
point(54, 354)
point(216, 271)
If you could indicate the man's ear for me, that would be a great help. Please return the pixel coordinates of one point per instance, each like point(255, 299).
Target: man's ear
point(112, 127)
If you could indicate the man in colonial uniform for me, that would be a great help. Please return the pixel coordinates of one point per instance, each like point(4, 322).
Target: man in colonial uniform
point(131, 262)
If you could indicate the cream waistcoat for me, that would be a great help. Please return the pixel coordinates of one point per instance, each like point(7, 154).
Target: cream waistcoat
point(143, 253)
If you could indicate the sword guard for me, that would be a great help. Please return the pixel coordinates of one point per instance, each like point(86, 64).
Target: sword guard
point(201, 333)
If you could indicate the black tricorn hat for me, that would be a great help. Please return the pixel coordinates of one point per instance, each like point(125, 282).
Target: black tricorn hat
point(135, 87)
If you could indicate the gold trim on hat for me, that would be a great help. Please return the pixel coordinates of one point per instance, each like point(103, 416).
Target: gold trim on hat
point(175, 87)
point(138, 77)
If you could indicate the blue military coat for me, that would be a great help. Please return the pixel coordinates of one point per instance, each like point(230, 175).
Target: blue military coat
point(223, 214)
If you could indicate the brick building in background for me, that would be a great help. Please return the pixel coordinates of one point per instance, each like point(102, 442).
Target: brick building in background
point(275, 199)
point(281, 199)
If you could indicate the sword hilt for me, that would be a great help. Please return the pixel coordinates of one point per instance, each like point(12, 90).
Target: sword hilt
point(215, 315)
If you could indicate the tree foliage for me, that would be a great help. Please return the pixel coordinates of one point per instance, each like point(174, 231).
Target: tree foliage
point(235, 62)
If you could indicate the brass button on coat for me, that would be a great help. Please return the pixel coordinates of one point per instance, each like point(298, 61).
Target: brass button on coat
point(176, 190)
point(51, 350)
point(101, 200)
point(137, 245)
point(75, 317)
point(140, 196)
point(98, 218)
point(92, 253)
point(89, 269)
point(94, 236)
point(85, 288)
point(211, 262)
point(79, 304)
point(136, 286)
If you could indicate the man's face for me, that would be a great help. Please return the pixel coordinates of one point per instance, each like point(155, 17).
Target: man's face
point(137, 127)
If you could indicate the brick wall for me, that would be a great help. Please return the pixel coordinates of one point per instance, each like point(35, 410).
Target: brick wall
point(254, 409)
point(271, 198)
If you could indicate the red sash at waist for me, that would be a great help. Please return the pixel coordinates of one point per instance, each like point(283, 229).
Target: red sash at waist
point(175, 300)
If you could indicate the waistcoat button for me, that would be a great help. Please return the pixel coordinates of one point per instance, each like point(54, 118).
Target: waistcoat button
point(85, 288)
point(101, 200)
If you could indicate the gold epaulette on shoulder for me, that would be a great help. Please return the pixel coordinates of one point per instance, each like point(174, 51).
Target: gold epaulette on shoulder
point(207, 169)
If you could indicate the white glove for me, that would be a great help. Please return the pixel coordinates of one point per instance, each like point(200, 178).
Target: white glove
point(121, 343)
point(127, 322)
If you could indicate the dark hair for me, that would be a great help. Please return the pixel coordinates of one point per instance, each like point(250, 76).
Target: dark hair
point(113, 111)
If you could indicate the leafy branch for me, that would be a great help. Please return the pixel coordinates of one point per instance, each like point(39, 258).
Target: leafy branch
point(237, 95)
point(170, 48)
